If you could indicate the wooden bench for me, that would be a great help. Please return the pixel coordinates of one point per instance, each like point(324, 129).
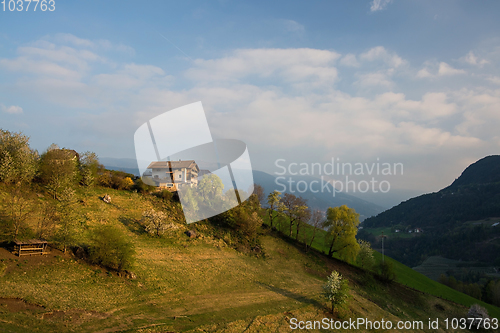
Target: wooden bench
point(29, 247)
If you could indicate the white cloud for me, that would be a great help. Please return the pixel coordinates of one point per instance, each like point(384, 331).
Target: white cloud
point(379, 53)
point(433, 69)
point(445, 69)
point(472, 59)
point(293, 65)
point(62, 38)
point(349, 60)
point(423, 73)
point(379, 5)
point(247, 96)
point(480, 112)
point(376, 79)
point(13, 109)
point(494, 79)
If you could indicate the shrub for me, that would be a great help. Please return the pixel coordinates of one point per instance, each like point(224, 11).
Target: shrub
point(478, 313)
point(157, 223)
point(111, 249)
point(386, 271)
point(142, 187)
point(365, 255)
point(336, 289)
point(165, 195)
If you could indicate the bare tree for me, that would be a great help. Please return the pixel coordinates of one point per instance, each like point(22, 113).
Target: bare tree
point(18, 210)
point(296, 210)
point(47, 220)
point(316, 221)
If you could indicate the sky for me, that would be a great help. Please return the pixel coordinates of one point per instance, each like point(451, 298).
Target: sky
point(381, 81)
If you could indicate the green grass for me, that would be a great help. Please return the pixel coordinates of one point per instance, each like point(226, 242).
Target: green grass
point(434, 266)
point(188, 284)
point(418, 281)
point(405, 275)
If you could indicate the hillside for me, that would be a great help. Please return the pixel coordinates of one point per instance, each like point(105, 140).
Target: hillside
point(186, 284)
point(321, 200)
point(458, 222)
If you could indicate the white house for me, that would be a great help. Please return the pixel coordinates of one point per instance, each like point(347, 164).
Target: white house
point(173, 174)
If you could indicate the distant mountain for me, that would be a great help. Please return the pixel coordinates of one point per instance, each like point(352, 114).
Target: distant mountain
point(390, 199)
point(473, 196)
point(120, 164)
point(322, 199)
point(457, 221)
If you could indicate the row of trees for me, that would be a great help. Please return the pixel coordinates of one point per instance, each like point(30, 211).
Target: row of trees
point(289, 213)
point(489, 292)
point(341, 224)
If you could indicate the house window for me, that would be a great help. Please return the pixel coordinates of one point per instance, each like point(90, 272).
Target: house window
point(180, 176)
point(169, 185)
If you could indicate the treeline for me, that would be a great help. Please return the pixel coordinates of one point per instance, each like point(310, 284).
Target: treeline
point(333, 232)
point(39, 199)
point(476, 243)
point(489, 292)
point(59, 172)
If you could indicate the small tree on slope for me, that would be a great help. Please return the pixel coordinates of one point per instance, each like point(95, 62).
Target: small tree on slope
point(336, 289)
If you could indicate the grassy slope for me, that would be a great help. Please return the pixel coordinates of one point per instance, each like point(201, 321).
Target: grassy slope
point(408, 276)
point(186, 284)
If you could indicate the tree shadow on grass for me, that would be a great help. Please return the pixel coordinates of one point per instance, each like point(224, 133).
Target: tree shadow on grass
point(292, 295)
point(132, 225)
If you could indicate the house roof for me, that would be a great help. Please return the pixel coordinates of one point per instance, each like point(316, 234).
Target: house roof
point(173, 164)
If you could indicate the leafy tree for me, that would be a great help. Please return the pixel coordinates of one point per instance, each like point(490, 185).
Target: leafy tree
point(275, 206)
point(110, 248)
point(302, 215)
point(210, 189)
point(89, 168)
point(66, 233)
point(246, 220)
point(58, 170)
point(342, 223)
point(494, 288)
point(295, 208)
point(17, 160)
point(156, 222)
point(336, 290)
point(254, 201)
point(365, 256)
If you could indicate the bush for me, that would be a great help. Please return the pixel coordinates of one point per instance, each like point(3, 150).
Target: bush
point(141, 187)
point(156, 223)
point(165, 195)
point(336, 289)
point(365, 255)
point(386, 271)
point(479, 314)
point(111, 249)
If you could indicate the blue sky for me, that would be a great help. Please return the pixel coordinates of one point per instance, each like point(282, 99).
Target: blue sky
point(415, 82)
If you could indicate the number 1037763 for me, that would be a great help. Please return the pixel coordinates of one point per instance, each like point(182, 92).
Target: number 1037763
point(28, 5)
